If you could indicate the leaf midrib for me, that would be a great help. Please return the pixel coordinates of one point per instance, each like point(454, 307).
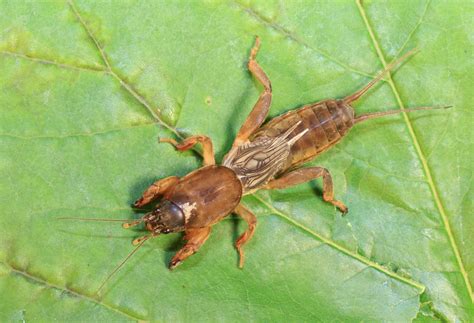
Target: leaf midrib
point(419, 151)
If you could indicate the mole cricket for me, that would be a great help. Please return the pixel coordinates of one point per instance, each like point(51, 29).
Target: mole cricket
point(261, 157)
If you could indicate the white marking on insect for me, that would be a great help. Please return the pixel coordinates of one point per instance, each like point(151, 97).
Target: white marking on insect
point(188, 208)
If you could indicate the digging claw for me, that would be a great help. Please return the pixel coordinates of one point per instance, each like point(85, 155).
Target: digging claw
point(173, 264)
point(340, 206)
point(344, 210)
point(138, 203)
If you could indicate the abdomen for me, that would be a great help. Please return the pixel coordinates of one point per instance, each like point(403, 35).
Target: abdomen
point(327, 122)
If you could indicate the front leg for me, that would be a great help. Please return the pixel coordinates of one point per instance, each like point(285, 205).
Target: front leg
point(156, 190)
point(195, 239)
point(303, 175)
point(188, 143)
point(260, 110)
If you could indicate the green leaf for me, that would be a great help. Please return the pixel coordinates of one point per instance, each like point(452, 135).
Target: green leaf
point(87, 87)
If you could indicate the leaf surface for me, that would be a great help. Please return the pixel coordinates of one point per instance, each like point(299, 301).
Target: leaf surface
point(87, 88)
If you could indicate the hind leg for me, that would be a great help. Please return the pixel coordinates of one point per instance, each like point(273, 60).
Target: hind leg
point(260, 110)
point(303, 175)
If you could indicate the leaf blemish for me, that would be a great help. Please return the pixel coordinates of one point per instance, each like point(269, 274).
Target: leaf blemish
point(208, 100)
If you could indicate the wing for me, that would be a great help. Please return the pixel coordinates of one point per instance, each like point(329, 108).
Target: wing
point(256, 162)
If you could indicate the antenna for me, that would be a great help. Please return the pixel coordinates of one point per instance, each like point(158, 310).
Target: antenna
point(139, 243)
point(127, 223)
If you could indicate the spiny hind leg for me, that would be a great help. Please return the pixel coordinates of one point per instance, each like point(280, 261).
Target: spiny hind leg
point(195, 239)
point(307, 174)
point(188, 143)
point(156, 190)
point(260, 110)
point(251, 220)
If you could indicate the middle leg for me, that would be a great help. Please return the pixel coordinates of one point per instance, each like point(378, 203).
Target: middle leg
point(188, 143)
point(303, 175)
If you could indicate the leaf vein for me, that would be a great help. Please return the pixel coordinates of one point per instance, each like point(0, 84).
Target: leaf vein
point(29, 276)
point(340, 248)
point(292, 36)
point(387, 173)
point(73, 135)
point(418, 24)
point(55, 63)
point(127, 86)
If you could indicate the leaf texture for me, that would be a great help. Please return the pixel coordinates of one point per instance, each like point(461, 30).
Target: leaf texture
point(87, 87)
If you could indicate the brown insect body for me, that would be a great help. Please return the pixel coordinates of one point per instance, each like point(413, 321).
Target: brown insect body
point(307, 132)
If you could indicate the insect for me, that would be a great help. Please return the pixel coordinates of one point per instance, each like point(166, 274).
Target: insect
point(262, 157)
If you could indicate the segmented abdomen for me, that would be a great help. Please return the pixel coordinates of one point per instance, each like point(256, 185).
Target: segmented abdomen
point(327, 122)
